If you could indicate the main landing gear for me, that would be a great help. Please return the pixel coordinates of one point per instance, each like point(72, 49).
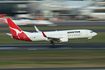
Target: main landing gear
point(52, 42)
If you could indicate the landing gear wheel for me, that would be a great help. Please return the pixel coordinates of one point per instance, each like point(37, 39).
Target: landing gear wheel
point(52, 42)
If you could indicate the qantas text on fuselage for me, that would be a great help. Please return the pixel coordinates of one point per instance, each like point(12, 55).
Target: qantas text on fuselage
point(61, 36)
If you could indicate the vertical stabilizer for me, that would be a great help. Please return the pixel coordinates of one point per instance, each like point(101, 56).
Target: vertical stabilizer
point(13, 27)
point(16, 32)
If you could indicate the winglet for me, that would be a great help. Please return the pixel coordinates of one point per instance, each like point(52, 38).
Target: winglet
point(43, 34)
point(36, 29)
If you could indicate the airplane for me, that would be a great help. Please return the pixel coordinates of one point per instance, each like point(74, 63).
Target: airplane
point(60, 36)
point(26, 21)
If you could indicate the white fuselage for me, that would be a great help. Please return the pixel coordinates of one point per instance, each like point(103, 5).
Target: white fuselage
point(70, 34)
point(60, 36)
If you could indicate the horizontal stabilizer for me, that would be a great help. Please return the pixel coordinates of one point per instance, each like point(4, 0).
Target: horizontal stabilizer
point(9, 34)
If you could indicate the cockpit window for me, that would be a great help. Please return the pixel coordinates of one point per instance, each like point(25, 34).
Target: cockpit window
point(91, 31)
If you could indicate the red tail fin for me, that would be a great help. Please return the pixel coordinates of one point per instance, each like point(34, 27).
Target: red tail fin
point(16, 32)
point(13, 27)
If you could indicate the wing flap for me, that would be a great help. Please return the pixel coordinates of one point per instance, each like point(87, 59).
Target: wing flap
point(54, 38)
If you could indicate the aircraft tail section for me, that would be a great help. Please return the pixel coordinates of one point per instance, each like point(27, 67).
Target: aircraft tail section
point(13, 27)
point(16, 32)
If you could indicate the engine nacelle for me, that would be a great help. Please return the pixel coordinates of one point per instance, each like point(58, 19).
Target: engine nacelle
point(63, 40)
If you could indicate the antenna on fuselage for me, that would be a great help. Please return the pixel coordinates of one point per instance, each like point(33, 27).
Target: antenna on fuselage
point(36, 29)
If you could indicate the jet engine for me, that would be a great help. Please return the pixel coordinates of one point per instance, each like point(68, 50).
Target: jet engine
point(63, 40)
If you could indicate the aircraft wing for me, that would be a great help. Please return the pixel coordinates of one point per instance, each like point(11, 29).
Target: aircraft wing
point(60, 39)
point(54, 38)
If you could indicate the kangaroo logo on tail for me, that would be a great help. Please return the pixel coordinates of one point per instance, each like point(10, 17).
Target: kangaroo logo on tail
point(13, 27)
point(16, 32)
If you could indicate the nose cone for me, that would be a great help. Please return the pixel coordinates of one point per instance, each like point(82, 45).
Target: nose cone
point(95, 33)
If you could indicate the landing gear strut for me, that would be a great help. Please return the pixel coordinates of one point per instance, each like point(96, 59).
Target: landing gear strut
point(52, 42)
